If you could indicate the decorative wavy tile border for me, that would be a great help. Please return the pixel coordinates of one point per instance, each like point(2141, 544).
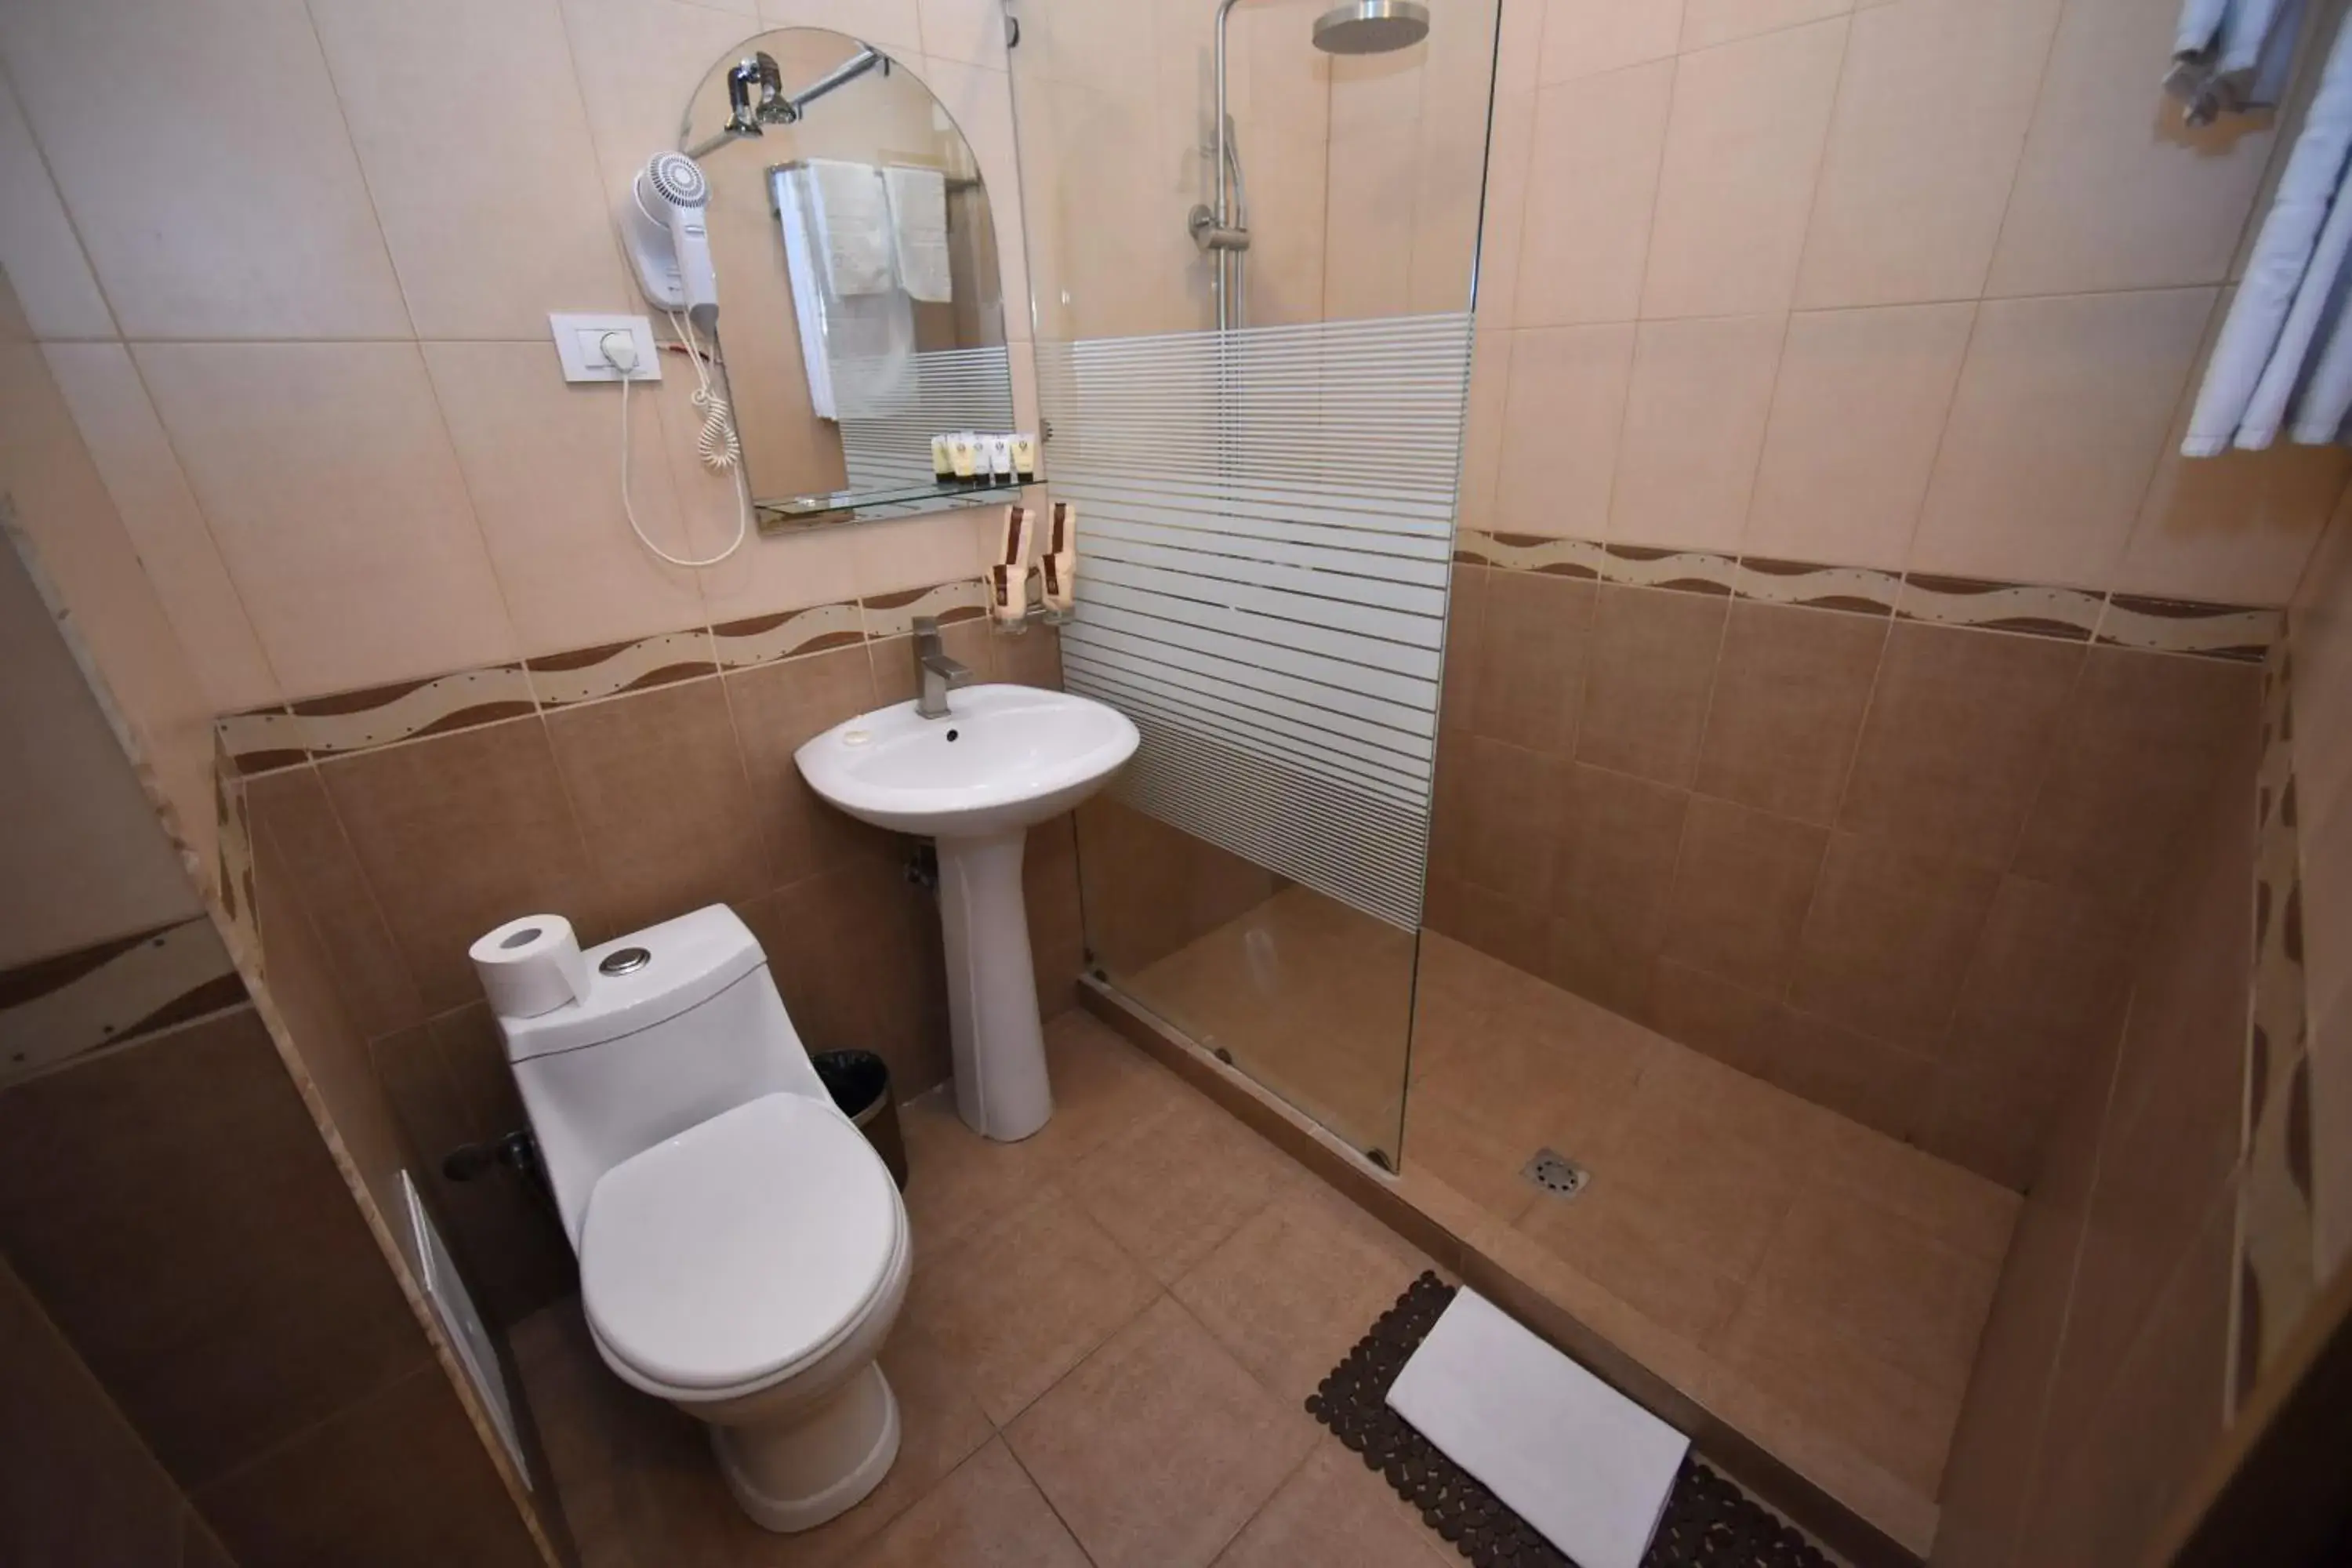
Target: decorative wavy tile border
point(561, 679)
point(763, 639)
point(893, 615)
point(59, 1008)
point(2068, 614)
point(2276, 1277)
point(2180, 625)
point(320, 727)
point(2071, 614)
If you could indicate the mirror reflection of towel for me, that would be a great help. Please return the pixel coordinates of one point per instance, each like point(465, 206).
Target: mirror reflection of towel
point(856, 348)
point(919, 223)
point(852, 225)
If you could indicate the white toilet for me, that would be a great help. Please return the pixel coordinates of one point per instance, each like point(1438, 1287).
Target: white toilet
point(742, 1248)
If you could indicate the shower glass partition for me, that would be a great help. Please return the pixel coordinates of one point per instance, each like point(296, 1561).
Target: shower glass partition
point(1252, 354)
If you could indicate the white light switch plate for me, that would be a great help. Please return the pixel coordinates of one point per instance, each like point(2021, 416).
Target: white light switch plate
point(577, 340)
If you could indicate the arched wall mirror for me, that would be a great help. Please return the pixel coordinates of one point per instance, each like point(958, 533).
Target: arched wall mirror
point(860, 310)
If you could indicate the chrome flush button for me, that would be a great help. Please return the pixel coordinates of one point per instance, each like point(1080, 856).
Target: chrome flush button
point(624, 960)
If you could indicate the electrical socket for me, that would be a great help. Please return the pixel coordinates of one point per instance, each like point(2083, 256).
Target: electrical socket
point(579, 341)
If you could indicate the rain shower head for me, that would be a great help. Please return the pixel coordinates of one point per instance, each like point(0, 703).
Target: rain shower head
point(1371, 27)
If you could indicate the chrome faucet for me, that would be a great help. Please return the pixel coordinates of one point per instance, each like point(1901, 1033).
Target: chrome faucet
point(935, 672)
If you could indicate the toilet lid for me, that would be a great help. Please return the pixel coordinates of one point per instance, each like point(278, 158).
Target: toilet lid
point(740, 1245)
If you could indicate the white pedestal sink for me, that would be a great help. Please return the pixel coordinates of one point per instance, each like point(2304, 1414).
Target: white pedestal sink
point(1005, 757)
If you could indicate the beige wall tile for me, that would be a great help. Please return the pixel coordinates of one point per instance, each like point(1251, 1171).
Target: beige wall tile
point(945, 547)
point(636, 62)
point(1560, 425)
point(2114, 192)
point(175, 544)
point(1694, 420)
point(1482, 427)
point(38, 247)
point(1707, 23)
point(256, 147)
point(968, 30)
point(542, 465)
point(1857, 413)
point(328, 476)
point(2055, 435)
point(476, 149)
point(78, 845)
point(1931, 119)
point(1742, 150)
point(1582, 37)
point(819, 567)
point(1591, 184)
point(1369, 222)
point(85, 558)
point(891, 24)
point(2236, 529)
point(1510, 154)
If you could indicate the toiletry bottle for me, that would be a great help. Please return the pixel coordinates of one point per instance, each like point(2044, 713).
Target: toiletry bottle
point(1000, 459)
point(966, 458)
point(942, 459)
point(1024, 457)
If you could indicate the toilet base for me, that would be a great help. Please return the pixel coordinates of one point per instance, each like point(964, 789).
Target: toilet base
point(795, 1475)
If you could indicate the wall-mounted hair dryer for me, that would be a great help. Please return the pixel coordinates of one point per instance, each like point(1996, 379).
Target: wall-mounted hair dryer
point(668, 240)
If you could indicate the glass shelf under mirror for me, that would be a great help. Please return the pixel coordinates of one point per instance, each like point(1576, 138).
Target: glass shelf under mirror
point(874, 503)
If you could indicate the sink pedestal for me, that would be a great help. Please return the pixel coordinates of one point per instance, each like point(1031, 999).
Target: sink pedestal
point(999, 1044)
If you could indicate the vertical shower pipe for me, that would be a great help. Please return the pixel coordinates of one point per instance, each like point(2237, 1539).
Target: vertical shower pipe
point(1228, 259)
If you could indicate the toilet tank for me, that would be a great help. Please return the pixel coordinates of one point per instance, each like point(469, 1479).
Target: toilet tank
point(659, 1045)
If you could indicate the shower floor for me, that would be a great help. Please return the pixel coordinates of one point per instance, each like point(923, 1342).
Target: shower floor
point(1815, 1284)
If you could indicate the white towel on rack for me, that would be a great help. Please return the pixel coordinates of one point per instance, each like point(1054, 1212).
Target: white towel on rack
point(853, 217)
point(919, 224)
point(2232, 56)
point(2291, 304)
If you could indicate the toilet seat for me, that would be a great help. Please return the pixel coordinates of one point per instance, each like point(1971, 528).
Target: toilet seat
point(723, 1260)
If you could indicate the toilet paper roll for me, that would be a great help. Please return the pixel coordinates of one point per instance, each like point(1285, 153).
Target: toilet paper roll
point(531, 966)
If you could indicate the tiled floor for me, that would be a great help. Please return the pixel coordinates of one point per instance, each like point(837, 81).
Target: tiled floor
point(1821, 1283)
point(1101, 1360)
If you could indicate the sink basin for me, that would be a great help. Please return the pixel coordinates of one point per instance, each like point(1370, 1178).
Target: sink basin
point(1005, 756)
point(1003, 759)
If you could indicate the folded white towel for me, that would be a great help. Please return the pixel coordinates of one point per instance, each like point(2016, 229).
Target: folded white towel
point(853, 221)
point(2297, 271)
point(2232, 56)
point(919, 223)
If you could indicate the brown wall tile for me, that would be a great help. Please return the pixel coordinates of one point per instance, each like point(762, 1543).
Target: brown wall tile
point(1788, 707)
point(1888, 943)
point(396, 1480)
point(2138, 748)
point(1149, 887)
point(855, 954)
point(1531, 647)
point(777, 708)
point(1057, 935)
point(1033, 657)
point(1653, 660)
point(1852, 1074)
point(1466, 610)
point(172, 1206)
point(460, 833)
point(1710, 1013)
point(1511, 806)
point(1519, 934)
point(78, 1486)
point(2047, 986)
point(326, 1040)
point(658, 787)
point(1614, 872)
point(1960, 734)
point(291, 807)
point(1741, 892)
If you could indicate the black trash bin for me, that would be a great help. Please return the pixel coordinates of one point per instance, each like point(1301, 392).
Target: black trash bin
point(859, 1082)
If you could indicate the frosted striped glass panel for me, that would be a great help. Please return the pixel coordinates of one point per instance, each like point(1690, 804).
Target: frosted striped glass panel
point(1266, 517)
point(892, 406)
